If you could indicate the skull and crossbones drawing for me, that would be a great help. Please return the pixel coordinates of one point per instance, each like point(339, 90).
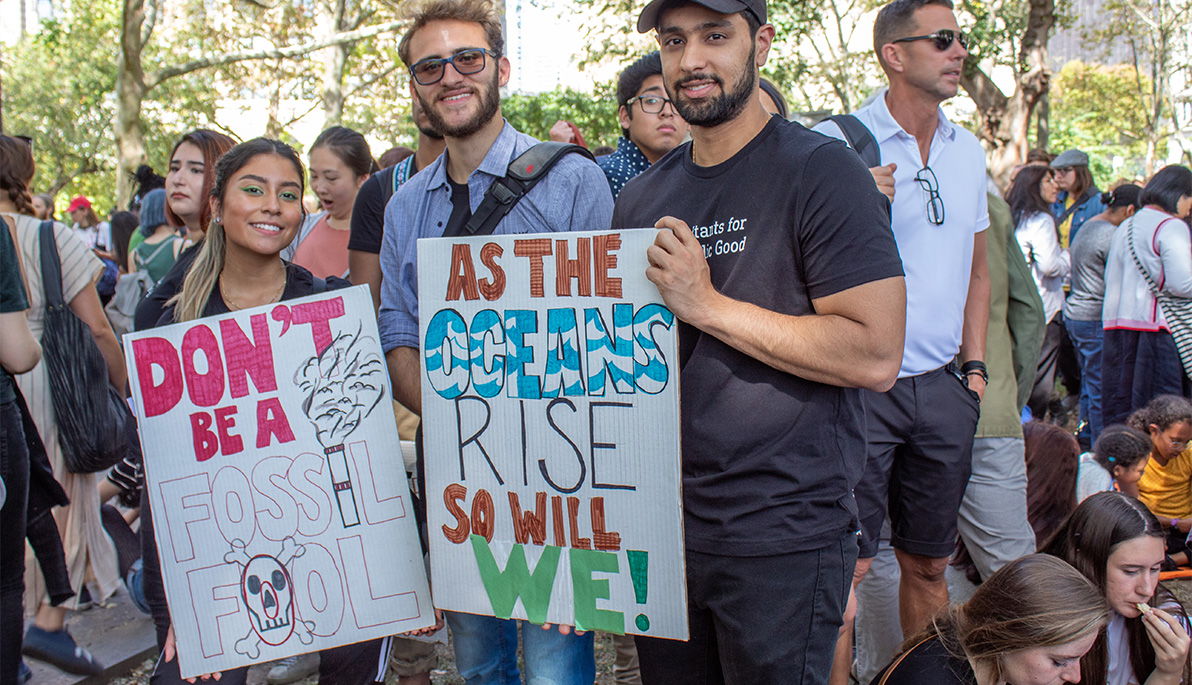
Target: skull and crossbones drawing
point(267, 589)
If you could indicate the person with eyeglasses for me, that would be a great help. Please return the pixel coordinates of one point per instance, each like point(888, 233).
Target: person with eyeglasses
point(920, 433)
point(650, 126)
point(1163, 488)
point(454, 52)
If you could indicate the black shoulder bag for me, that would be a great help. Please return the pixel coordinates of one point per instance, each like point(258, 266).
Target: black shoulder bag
point(92, 415)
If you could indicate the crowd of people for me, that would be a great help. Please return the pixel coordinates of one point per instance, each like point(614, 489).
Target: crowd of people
point(876, 400)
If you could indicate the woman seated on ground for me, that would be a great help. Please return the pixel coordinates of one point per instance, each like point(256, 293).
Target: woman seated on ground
point(1031, 622)
point(1116, 462)
point(1164, 487)
point(1117, 543)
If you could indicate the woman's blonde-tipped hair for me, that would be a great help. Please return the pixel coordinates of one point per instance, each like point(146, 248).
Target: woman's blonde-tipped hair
point(1035, 601)
point(203, 277)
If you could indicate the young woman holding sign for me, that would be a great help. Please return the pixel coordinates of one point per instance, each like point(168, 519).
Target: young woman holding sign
point(256, 210)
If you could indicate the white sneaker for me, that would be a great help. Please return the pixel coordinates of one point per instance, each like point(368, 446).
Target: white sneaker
point(293, 668)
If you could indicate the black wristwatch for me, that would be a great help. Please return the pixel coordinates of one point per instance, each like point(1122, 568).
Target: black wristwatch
point(975, 366)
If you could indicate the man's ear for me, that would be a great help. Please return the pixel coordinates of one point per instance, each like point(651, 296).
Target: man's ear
point(504, 68)
point(764, 38)
point(623, 116)
point(892, 57)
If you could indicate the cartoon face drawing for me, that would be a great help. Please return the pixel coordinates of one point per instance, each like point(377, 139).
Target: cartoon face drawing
point(269, 595)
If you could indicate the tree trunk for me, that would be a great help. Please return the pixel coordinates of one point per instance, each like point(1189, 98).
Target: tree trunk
point(130, 93)
point(1005, 121)
point(335, 61)
point(1043, 122)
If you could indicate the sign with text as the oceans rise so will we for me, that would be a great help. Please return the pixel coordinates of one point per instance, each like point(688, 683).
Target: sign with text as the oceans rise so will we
point(280, 502)
point(550, 409)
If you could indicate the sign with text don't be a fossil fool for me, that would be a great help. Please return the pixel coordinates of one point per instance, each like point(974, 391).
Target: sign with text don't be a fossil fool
point(281, 509)
point(551, 428)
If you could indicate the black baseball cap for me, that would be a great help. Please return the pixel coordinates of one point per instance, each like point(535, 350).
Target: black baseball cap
point(648, 19)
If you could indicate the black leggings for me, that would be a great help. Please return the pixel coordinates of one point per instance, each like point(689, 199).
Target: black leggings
point(14, 471)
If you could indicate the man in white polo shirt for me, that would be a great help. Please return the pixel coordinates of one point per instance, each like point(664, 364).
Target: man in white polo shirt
point(920, 433)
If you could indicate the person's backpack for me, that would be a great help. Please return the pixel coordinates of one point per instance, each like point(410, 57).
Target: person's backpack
point(859, 138)
point(122, 308)
point(130, 290)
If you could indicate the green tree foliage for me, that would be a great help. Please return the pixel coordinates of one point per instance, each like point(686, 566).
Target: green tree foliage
point(594, 113)
point(58, 90)
point(1101, 109)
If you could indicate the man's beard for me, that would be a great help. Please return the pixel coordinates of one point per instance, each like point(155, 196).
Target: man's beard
point(724, 107)
point(490, 102)
point(429, 131)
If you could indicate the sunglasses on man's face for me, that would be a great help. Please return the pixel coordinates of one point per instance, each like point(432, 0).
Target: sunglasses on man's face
point(943, 39)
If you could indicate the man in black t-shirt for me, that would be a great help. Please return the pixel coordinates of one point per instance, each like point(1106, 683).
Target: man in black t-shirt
point(778, 258)
point(368, 214)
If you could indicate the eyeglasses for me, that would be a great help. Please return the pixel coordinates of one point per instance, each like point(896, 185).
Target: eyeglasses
point(943, 39)
point(430, 71)
point(651, 104)
point(935, 204)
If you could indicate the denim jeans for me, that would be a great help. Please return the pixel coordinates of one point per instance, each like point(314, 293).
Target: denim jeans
point(486, 652)
point(1087, 337)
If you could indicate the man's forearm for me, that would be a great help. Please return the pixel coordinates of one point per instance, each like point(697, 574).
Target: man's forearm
point(406, 376)
point(976, 305)
point(855, 341)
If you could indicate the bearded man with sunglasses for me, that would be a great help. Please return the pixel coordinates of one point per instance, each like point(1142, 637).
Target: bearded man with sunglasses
point(920, 433)
point(453, 50)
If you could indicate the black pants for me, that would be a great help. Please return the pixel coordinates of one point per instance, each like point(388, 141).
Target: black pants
point(1136, 367)
point(14, 471)
point(757, 620)
point(919, 442)
point(357, 664)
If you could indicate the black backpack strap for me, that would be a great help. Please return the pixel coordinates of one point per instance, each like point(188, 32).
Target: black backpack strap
point(51, 266)
point(522, 175)
point(860, 138)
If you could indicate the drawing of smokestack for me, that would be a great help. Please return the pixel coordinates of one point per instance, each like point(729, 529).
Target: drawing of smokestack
point(343, 384)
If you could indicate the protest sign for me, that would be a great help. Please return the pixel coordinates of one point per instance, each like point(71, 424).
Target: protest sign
point(280, 502)
point(550, 414)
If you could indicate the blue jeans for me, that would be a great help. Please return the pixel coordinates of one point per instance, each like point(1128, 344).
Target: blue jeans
point(1087, 338)
point(486, 652)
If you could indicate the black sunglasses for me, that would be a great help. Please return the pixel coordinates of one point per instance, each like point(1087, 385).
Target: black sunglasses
point(943, 39)
point(430, 71)
point(935, 203)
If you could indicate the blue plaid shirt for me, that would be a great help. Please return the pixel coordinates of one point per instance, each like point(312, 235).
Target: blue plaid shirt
point(572, 197)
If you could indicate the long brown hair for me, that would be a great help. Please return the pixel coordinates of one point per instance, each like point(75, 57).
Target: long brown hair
point(1093, 531)
point(16, 171)
point(1052, 461)
point(213, 145)
point(1035, 601)
point(203, 277)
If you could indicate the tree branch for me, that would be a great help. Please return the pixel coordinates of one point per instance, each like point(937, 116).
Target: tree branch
point(155, 77)
point(982, 89)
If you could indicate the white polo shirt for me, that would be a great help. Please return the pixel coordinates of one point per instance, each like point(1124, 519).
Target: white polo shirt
point(937, 259)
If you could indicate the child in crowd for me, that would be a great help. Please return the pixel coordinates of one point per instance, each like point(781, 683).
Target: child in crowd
point(1165, 484)
point(1116, 462)
point(1118, 544)
point(1031, 622)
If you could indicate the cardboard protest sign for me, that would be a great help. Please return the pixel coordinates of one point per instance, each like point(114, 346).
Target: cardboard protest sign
point(550, 413)
point(280, 502)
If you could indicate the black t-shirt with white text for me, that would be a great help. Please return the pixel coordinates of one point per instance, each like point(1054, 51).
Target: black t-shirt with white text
point(769, 459)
